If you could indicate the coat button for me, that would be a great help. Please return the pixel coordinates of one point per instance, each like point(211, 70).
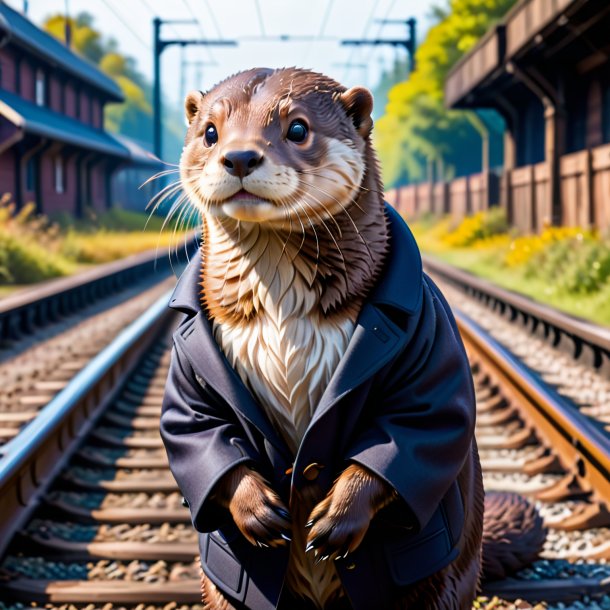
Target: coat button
point(312, 471)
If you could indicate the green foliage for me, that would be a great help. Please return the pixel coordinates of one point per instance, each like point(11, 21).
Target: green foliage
point(33, 248)
point(579, 265)
point(416, 127)
point(477, 228)
point(28, 246)
point(567, 267)
point(25, 262)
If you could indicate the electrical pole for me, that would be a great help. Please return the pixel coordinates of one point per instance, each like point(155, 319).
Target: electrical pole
point(158, 47)
point(409, 43)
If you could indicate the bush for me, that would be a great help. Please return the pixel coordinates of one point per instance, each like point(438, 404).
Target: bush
point(24, 261)
point(477, 228)
point(32, 248)
point(576, 266)
point(526, 248)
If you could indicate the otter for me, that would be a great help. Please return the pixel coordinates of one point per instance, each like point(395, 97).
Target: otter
point(297, 251)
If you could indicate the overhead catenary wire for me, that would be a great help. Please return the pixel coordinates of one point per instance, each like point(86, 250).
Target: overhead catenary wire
point(213, 18)
point(385, 16)
point(113, 10)
point(260, 17)
point(189, 8)
point(367, 25)
point(323, 24)
point(153, 12)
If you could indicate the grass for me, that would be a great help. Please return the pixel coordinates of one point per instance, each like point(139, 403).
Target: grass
point(34, 248)
point(567, 268)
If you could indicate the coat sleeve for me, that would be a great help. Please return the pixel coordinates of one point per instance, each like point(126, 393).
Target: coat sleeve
point(423, 420)
point(203, 441)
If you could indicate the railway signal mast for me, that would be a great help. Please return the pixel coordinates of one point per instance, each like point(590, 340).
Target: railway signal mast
point(409, 43)
point(159, 46)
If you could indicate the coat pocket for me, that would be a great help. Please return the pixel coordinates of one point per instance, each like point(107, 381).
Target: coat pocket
point(221, 565)
point(411, 558)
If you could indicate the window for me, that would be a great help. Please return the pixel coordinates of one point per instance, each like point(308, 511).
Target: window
point(30, 173)
point(59, 174)
point(40, 88)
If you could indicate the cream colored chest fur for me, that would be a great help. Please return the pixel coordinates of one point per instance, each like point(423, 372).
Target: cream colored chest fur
point(286, 360)
point(287, 351)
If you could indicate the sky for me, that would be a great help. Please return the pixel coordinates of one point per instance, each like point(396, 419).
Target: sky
point(248, 21)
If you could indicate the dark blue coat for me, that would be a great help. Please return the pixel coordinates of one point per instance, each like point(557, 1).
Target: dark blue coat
point(401, 403)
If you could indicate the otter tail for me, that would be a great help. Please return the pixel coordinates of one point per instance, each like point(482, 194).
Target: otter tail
point(513, 534)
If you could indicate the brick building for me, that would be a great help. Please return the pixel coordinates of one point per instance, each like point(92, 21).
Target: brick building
point(53, 147)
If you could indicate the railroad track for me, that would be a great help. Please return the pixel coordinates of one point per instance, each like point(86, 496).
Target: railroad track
point(27, 312)
point(90, 517)
point(541, 379)
point(50, 332)
point(89, 512)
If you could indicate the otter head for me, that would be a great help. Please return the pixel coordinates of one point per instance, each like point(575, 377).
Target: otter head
point(271, 146)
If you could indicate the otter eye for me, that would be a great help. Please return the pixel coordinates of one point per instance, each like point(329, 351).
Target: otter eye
point(211, 135)
point(297, 132)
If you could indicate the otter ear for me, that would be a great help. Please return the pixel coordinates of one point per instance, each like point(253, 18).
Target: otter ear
point(191, 104)
point(358, 103)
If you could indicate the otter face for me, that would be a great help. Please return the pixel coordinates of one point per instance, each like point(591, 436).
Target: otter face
point(275, 146)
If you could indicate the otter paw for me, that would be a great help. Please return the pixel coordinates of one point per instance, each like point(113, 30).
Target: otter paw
point(259, 513)
point(336, 528)
point(338, 523)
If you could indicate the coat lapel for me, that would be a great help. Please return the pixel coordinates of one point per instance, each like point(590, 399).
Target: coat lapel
point(211, 365)
point(376, 340)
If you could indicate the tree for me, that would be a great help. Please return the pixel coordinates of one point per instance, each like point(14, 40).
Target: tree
point(417, 131)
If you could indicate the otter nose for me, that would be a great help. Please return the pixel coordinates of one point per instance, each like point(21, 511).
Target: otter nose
point(240, 163)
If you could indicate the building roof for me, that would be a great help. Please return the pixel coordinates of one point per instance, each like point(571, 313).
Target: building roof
point(517, 33)
point(138, 153)
point(44, 122)
point(28, 36)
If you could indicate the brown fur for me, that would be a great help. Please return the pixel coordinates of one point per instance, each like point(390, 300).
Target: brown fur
point(256, 509)
point(322, 202)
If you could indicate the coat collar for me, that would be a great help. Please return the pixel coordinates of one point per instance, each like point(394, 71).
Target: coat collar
point(399, 287)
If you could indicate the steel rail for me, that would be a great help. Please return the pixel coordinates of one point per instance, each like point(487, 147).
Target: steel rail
point(30, 462)
point(22, 313)
point(583, 446)
point(556, 324)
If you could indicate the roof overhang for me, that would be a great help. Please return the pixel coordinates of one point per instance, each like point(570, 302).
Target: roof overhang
point(482, 63)
point(5, 31)
point(138, 154)
point(41, 121)
point(35, 41)
point(525, 29)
